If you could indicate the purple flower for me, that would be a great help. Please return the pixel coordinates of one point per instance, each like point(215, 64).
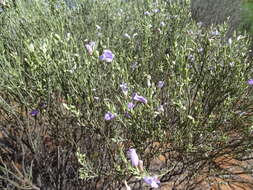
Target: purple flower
point(156, 10)
point(250, 81)
point(152, 181)
point(124, 88)
point(147, 13)
point(107, 56)
point(127, 115)
point(109, 116)
point(43, 105)
point(90, 47)
point(133, 156)
point(130, 105)
point(34, 112)
point(160, 84)
point(138, 98)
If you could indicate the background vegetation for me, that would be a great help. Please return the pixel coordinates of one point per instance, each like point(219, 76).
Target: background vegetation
point(217, 11)
point(247, 16)
point(237, 12)
point(54, 96)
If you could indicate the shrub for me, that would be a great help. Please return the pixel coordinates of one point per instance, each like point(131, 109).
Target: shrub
point(154, 80)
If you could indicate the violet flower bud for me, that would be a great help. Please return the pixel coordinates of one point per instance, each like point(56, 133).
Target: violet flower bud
point(90, 47)
point(34, 113)
point(133, 156)
point(160, 84)
point(130, 105)
point(152, 181)
point(138, 98)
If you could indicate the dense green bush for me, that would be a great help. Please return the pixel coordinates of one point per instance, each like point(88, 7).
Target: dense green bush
point(65, 113)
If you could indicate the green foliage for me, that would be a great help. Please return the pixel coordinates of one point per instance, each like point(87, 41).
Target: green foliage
point(193, 118)
point(247, 16)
